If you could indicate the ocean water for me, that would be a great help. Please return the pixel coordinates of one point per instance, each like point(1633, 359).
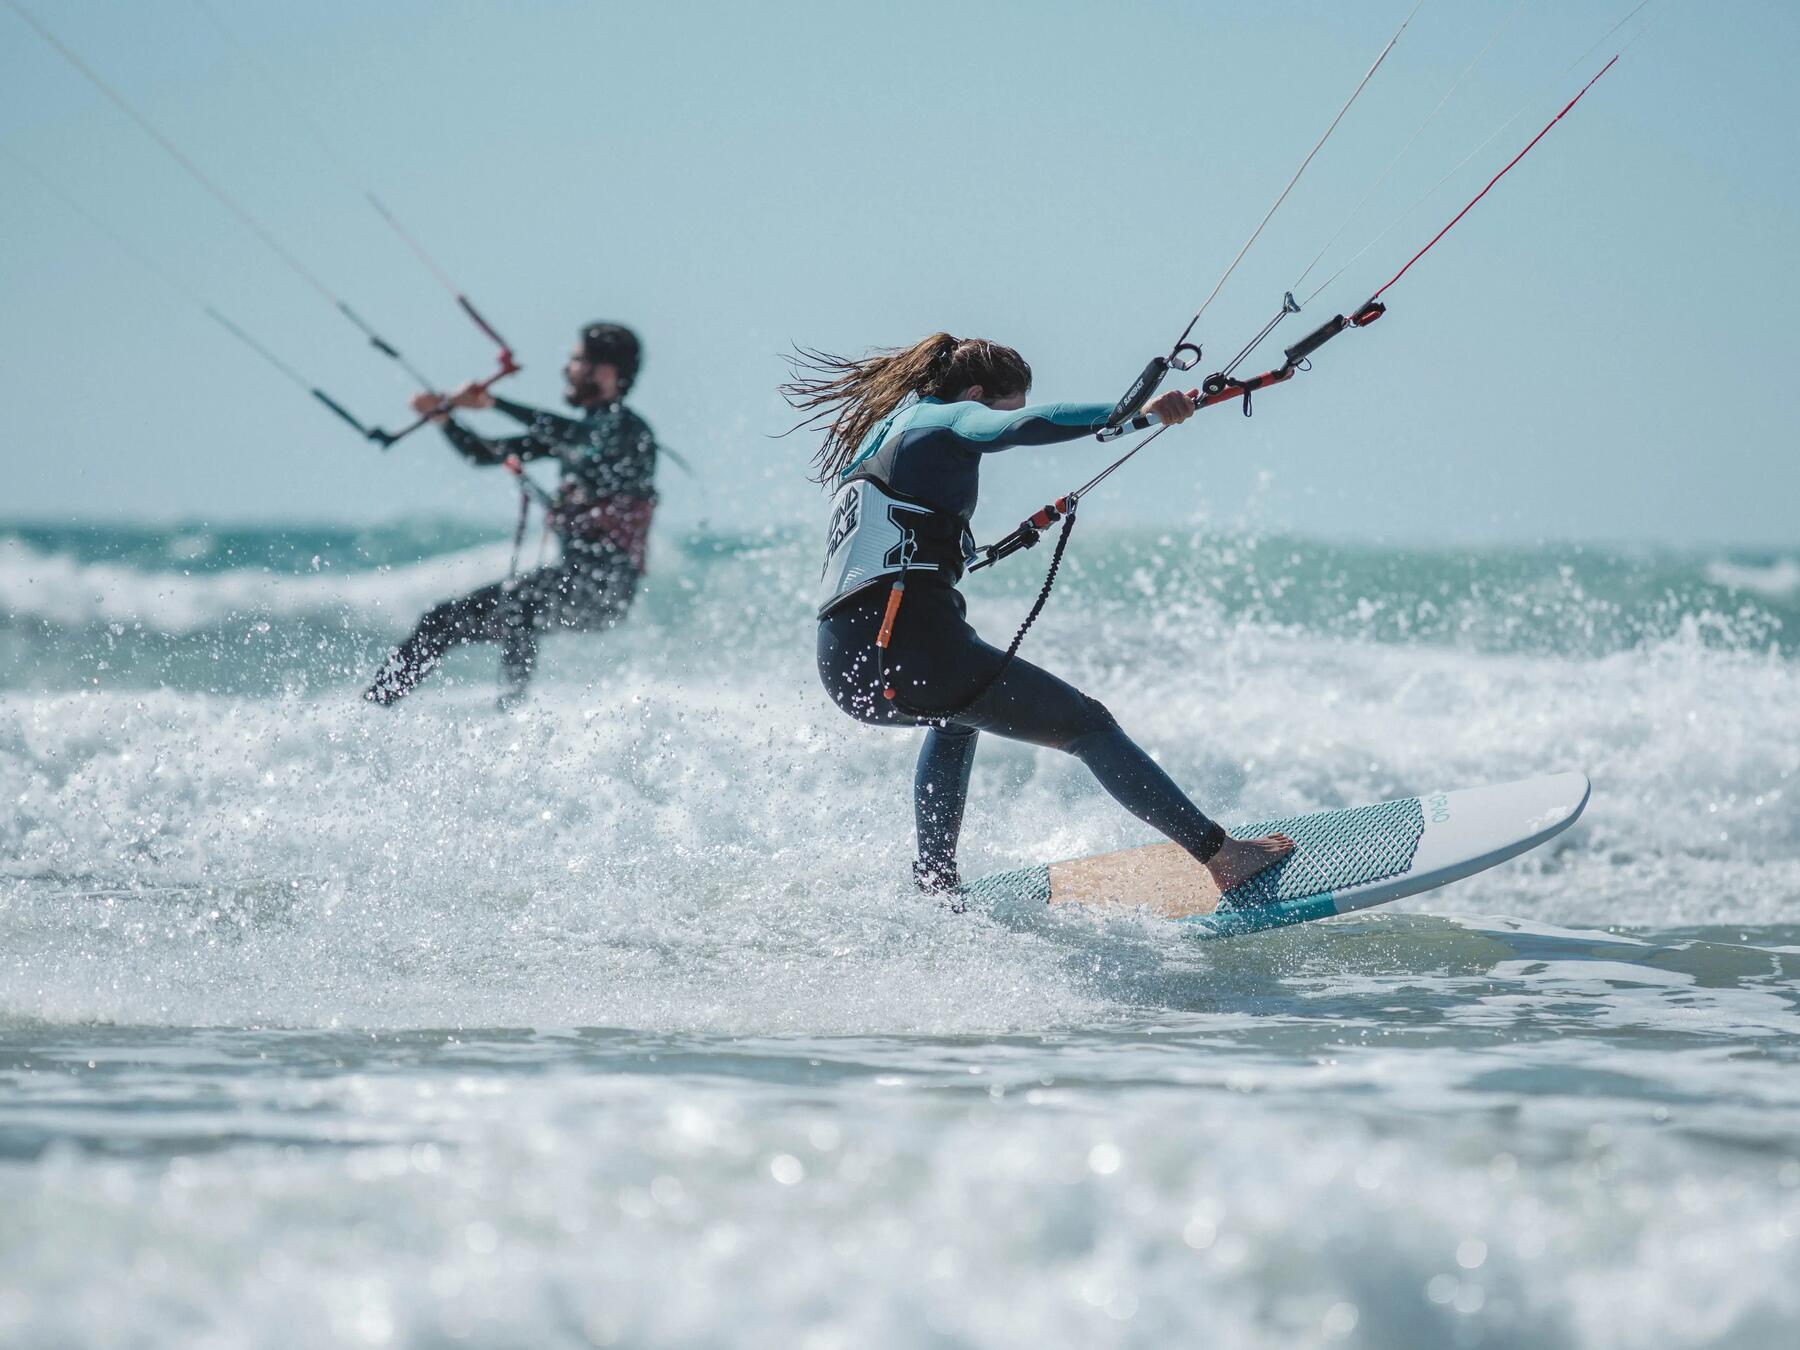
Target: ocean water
point(611, 1020)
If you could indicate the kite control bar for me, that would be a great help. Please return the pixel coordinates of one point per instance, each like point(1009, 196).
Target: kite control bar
point(1222, 388)
point(386, 439)
point(1184, 356)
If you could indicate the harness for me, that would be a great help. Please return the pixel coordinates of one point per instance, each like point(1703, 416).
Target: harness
point(877, 533)
point(615, 518)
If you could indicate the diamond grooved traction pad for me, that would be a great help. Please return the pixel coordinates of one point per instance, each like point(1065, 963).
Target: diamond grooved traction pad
point(1337, 850)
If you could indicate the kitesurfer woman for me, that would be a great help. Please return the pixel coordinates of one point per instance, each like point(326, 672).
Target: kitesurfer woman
point(905, 431)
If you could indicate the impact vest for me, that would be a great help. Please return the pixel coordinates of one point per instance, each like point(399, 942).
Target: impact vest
point(876, 534)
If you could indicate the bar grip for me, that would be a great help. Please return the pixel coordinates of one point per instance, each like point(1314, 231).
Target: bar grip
point(1142, 422)
point(1146, 384)
point(1316, 339)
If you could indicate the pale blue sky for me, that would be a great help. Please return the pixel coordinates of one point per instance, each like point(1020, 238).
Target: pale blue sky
point(1601, 350)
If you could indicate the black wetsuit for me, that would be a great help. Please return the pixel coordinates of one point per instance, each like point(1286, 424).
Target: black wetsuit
point(602, 512)
point(931, 453)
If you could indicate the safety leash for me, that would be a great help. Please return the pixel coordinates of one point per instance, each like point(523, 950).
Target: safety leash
point(1063, 509)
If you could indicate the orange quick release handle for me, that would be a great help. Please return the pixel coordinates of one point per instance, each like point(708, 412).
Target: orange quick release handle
point(886, 635)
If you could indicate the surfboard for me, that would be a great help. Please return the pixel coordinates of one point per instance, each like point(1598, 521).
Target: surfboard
point(1345, 860)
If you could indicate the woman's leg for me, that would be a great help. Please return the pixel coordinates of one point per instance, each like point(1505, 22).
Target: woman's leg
point(940, 791)
point(1029, 704)
point(938, 660)
point(850, 670)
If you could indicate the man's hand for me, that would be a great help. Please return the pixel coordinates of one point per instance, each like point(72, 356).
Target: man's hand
point(474, 394)
point(437, 406)
point(428, 404)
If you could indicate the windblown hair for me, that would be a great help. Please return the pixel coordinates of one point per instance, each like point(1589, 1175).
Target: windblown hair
point(848, 396)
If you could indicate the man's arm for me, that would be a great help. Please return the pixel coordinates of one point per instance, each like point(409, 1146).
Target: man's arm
point(480, 450)
point(568, 428)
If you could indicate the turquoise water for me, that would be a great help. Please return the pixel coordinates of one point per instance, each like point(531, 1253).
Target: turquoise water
point(611, 1020)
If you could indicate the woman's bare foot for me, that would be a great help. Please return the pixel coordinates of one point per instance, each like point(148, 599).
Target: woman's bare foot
point(1240, 859)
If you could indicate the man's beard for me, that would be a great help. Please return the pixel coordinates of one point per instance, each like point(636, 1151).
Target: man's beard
point(582, 395)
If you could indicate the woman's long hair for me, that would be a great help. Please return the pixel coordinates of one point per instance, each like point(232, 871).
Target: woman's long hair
point(849, 396)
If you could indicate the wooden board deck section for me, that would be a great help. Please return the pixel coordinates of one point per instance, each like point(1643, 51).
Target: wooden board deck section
point(1162, 878)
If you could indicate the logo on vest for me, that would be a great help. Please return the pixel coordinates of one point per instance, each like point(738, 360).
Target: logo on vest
point(843, 521)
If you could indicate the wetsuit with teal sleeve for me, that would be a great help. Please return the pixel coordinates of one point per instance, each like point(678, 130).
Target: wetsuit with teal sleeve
point(931, 450)
point(601, 516)
point(927, 457)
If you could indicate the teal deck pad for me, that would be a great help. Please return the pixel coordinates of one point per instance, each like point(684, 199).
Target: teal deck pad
point(1021, 886)
point(1337, 850)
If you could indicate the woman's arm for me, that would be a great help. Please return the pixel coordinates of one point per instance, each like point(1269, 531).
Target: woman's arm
point(989, 429)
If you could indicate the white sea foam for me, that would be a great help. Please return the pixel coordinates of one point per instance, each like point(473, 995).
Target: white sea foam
point(1776, 580)
point(669, 840)
point(58, 589)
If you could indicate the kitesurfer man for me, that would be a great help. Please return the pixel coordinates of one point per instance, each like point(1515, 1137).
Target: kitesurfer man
point(600, 515)
point(905, 432)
